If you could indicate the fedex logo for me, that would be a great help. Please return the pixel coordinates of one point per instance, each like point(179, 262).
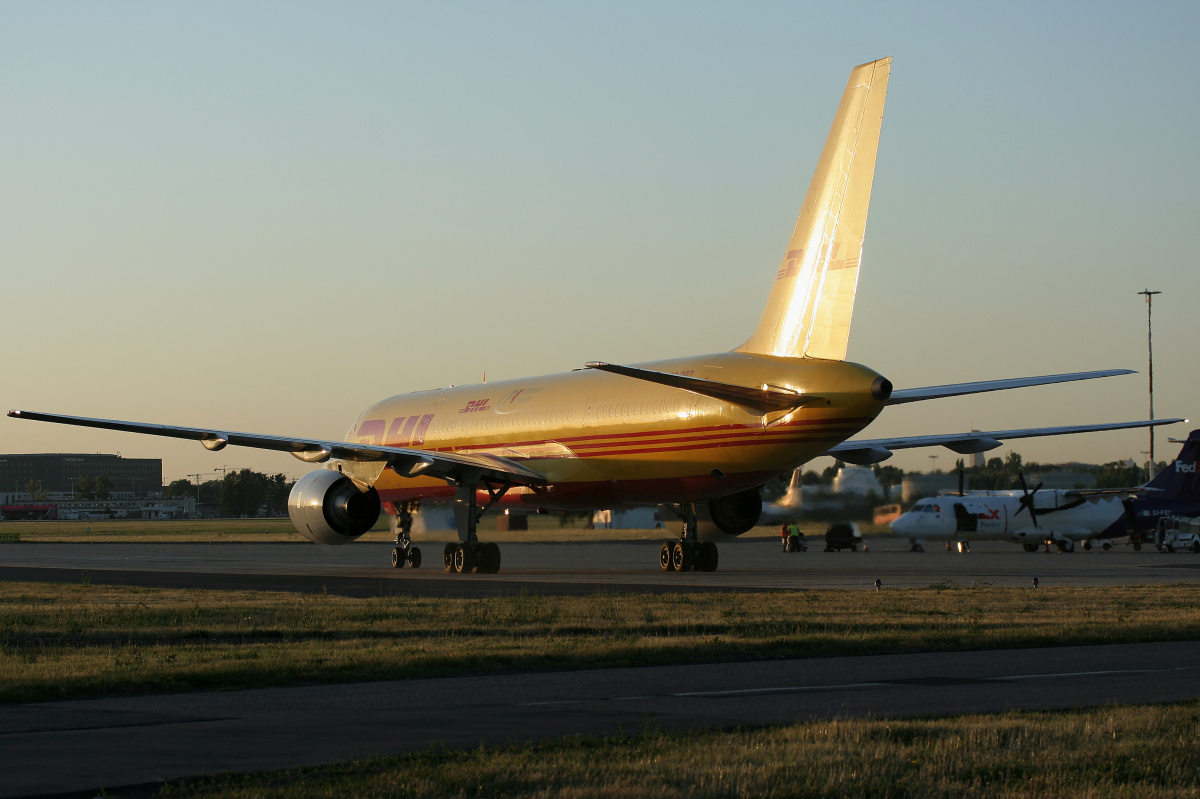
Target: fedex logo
point(992, 515)
point(477, 405)
point(1185, 468)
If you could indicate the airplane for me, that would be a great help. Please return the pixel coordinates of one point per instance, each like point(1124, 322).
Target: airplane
point(707, 429)
point(1062, 517)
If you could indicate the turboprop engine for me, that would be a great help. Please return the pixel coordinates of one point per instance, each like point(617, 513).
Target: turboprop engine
point(736, 513)
point(326, 507)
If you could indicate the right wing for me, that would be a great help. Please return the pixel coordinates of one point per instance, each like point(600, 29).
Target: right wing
point(867, 451)
point(408, 462)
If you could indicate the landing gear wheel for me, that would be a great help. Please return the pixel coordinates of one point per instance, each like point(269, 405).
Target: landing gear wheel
point(682, 556)
point(664, 557)
point(448, 557)
point(706, 556)
point(489, 558)
point(398, 558)
point(1031, 547)
point(464, 558)
point(414, 557)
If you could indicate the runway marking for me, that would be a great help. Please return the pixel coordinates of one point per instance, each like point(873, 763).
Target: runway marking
point(861, 686)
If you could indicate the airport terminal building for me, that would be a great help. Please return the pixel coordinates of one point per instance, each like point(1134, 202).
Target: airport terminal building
point(57, 474)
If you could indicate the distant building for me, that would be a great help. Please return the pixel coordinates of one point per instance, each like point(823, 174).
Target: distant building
point(58, 474)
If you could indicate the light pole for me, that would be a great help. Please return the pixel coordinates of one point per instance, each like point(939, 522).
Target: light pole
point(1150, 369)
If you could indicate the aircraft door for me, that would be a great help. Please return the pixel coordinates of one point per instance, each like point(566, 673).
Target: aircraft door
point(965, 522)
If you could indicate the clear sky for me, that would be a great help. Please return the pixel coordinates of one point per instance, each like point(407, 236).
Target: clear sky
point(266, 216)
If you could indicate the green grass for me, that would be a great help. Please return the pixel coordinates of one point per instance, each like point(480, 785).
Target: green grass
point(1142, 752)
point(62, 641)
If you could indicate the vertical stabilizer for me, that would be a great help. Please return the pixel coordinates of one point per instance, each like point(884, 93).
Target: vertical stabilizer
point(808, 312)
point(1181, 479)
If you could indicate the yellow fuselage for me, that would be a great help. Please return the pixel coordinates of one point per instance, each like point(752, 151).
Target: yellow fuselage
point(606, 440)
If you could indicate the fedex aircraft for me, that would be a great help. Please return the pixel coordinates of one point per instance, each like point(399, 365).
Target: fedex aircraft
point(1059, 517)
point(705, 429)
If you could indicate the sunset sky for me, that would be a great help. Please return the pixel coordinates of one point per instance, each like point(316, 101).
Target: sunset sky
point(265, 216)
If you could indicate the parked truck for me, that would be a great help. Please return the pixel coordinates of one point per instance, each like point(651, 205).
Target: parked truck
point(1177, 532)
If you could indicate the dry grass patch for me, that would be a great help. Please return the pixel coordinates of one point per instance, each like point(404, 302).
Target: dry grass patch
point(64, 640)
point(1143, 752)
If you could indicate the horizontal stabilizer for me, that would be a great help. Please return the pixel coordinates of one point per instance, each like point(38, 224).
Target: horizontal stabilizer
point(874, 450)
point(758, 400)
point(406, 461)
point(959, 389)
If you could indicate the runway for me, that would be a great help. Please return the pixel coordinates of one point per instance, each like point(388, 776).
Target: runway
point(107, 743)
point(364, 569)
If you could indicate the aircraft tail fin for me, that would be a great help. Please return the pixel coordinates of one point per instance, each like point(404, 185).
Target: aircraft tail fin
point(1181, 478)
point(809, 309)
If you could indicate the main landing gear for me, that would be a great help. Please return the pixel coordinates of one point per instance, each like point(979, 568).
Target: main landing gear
point(404, 552)
point(469, 555)
point(688, 553)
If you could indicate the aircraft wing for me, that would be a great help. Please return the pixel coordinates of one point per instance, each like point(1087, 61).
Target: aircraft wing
point(408, 462)
point(958, 389)
point(868, 451)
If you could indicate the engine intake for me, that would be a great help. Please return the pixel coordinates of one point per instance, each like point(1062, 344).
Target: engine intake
point(736, 513)
point(326, 507)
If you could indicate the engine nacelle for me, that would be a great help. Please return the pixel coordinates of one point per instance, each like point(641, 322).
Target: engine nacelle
point(326, 507)
point(736, 513)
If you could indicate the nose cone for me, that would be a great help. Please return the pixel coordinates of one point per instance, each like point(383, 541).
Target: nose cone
point(902, 524)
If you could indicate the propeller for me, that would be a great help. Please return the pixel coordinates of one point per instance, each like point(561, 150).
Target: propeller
point(1026, 500)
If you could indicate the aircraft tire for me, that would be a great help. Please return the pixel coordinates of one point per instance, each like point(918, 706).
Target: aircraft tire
point(682, 556)
point(448, 557)
point(664, 557)
point(708, 557)
point(1031, 547)
point(398, 558)
point(489, 561)
point(414, 557)
point(464, 559)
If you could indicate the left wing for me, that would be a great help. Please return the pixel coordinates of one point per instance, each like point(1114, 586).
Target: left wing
point(868, 451)
point(408, 462)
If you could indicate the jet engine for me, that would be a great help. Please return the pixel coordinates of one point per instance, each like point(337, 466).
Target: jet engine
point(326, 507)
point(736, 513)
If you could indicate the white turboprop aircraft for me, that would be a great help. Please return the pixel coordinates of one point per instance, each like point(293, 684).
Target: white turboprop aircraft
point(699, 430)
point(1030, 518)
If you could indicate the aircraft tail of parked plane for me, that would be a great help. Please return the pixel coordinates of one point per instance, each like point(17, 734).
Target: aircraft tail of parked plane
point(812, 300)
point(1181, 479)
point(681, 432)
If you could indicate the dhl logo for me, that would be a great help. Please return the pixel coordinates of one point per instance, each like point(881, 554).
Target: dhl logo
point(476, 405)
point(791, 262)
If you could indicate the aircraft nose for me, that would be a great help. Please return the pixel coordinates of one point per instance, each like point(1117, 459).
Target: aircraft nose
point(900, 524)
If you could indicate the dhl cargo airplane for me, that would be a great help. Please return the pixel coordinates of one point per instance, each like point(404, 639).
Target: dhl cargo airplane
point(704, 429)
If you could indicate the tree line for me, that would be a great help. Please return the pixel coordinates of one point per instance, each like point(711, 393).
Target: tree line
point(241, 493)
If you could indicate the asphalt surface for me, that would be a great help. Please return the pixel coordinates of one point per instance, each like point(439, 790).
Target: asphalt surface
point(89, 745)
point(83, 746)
point(364, 569)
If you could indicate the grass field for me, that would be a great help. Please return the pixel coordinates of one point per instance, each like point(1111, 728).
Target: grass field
point(63, 641)
point(1135, 752)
